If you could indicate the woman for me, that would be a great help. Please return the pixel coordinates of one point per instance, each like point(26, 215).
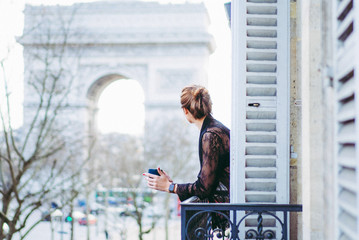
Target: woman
point(212, 183)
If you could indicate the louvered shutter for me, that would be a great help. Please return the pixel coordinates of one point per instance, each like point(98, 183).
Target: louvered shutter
point(259, 139)
point(346, 83)
point(260, 107)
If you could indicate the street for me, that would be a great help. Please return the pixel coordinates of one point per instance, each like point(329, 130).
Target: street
point(121, 228)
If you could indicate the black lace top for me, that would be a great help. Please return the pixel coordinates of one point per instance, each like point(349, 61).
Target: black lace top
point(212, 182)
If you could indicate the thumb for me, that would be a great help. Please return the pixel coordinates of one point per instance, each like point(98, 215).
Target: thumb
point(159, 171)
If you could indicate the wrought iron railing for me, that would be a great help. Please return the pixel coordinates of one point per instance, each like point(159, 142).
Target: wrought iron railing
point(209, 221)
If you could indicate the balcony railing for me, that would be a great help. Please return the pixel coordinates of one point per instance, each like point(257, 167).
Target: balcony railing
point(234, 221)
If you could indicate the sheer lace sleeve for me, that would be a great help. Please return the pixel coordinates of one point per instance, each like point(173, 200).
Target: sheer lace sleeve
point(207, 179)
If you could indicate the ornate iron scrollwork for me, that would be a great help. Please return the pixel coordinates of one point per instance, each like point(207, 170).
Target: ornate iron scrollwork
point(259, 234)
point(199, 221)
point(207, 232)
point(253, 234)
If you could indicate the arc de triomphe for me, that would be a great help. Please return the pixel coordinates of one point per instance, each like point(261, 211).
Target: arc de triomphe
point(162, 46)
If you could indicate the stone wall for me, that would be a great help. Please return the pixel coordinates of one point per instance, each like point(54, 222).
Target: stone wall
point(316, 164)
point(295, 123)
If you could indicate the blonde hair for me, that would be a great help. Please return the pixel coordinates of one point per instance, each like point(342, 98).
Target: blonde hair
point(197, 100)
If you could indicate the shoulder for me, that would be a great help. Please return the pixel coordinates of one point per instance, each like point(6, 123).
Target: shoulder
point(218, 128)
point(215, 134)
point(214, 129)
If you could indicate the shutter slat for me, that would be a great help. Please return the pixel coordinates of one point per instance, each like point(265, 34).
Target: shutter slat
point(260, 161)
point(341, 6)
point(257, 43)
point(345, 50)
point(262, 28)
point(345, 59)
point(345, 25)
point(345, 133)
point(261, 90)
point(262, 186)
point(261, 125)
point(347, 201)
point(263, 4)
point(261, 21)
point(262, 55)
point(262, 78)
point(347, 179)
point(260, 180)
point(346, 156)
point(268, 114)
point(260, 197)
point(265, 10)
point(267, 67)
point(347, 90)
point(347, 111)
point(347, 225)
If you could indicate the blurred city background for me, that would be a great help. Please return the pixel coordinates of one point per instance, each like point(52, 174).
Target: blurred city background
point(90, 100)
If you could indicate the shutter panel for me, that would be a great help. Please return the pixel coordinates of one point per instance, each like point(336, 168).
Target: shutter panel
point(260, 124)
point(346, 84)
point(261, 103)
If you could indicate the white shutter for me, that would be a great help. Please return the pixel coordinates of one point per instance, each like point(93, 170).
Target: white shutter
point(260, 107)
point(346, 82)
point(260, 124)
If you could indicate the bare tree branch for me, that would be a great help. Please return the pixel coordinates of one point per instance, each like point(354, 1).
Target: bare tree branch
point(31, 172)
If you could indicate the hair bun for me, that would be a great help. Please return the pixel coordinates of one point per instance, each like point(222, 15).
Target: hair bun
point(196, 99)
point(198, 93)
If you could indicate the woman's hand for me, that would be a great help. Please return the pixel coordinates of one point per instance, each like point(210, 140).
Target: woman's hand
point(160, 183)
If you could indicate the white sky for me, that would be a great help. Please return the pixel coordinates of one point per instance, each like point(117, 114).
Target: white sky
point(219, 71)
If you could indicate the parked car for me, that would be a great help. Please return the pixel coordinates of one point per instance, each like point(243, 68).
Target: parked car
point(89, 220)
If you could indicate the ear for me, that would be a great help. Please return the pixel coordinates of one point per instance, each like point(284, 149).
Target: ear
point(185, 110)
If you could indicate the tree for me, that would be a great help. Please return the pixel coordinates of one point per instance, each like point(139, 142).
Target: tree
point(35, 159)
point(122, 165)
point(172, 144)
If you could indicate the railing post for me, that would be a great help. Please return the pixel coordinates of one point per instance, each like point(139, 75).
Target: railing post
point(234, 226)
point(183, 223)
point(285, 222)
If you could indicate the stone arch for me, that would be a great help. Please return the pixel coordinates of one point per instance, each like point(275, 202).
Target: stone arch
point(94, 92)
point(97, 87)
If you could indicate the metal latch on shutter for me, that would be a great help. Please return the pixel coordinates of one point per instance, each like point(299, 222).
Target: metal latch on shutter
point(254, 104)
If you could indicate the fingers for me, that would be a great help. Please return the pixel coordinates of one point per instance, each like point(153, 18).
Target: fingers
point(153, 182)
point(149, 175)
point(151, 178)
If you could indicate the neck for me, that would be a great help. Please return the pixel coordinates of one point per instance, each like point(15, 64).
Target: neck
point(199, 122)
